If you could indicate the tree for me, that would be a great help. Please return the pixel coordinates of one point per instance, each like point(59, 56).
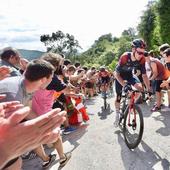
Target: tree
point(113, 64)
point(164, 19)
point(147, 24)
point(130, 32)
point(61, 43)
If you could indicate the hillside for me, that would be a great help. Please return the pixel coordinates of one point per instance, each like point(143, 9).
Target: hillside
point(30, 54)
point(106, 50)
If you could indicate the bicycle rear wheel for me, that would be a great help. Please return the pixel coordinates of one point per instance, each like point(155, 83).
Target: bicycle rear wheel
point(132, 130)
point(105, 102)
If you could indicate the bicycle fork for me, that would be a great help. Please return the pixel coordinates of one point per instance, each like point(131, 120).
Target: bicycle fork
point(131, 108)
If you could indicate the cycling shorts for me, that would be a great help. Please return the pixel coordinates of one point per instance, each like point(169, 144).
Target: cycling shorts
point(130, 80)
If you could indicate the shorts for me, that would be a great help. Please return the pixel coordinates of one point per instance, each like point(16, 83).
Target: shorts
point(157, 85)
point(118, 86)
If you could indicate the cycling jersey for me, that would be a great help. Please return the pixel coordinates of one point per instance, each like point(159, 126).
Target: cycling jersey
point(126, 66)
point(104, 76)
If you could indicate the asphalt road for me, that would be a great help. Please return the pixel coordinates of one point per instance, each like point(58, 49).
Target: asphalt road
point(99, 146)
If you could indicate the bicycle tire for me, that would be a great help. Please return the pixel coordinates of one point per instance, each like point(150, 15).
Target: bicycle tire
point(105, 103)
point(132, 145)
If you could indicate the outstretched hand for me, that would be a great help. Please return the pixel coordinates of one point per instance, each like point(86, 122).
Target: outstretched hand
point(7, 108)
point(17, 138)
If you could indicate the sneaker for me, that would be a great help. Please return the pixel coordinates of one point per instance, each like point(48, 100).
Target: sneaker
point(51, 160)
point(155, 108)
point(116, 122)
point(64, 160)
point(68, 130)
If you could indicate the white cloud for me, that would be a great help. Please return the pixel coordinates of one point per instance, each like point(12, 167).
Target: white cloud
point(85, 19)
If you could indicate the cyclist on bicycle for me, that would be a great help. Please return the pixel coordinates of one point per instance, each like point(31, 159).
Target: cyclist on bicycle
point(104, 78)
point(124, 72)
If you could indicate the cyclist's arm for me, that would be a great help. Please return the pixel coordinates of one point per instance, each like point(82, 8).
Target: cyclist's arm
point(119, 78)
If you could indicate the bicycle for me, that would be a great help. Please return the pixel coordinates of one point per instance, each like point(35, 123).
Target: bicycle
point(131, 119)
point(104, 94)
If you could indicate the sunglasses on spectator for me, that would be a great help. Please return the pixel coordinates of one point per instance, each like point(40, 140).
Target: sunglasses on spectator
point(140, 53)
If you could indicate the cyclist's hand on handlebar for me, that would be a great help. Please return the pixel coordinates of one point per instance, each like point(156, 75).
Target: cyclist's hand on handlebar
point(127, 88)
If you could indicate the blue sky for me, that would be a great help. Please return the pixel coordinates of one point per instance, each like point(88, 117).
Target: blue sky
point(23, 21)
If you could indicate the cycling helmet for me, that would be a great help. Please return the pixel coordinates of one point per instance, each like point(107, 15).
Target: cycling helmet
point(138, 43)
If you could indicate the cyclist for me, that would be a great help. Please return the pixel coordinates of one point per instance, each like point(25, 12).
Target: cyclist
point(124, 72)
point(104, 78)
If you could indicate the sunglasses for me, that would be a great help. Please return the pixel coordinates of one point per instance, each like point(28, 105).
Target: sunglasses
point(140, 53)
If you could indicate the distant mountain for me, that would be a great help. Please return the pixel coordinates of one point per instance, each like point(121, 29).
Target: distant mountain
point(30, 54)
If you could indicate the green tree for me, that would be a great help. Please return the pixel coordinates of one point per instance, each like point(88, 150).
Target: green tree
point(59, 42)
point(113, 64)
point(164, 19)
point(130, 32)
point(147, 24)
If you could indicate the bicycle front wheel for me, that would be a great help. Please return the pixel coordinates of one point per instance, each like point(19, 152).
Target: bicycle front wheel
point(133, 129)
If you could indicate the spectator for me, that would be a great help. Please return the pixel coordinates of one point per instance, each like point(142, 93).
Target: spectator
point(21, 88)
point(162, 48)
point(167, 65)
point(158, 74)
point(77, 65)
point(43, 102)
point(10, 57)
point(22, 137)
point(67, 63)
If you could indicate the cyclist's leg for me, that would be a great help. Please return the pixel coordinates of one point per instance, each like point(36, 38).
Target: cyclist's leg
point(107, 81)
point(138, 85)
point(103, 88)
point(118, 88)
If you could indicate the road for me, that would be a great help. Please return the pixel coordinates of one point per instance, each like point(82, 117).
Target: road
point(99, 146)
